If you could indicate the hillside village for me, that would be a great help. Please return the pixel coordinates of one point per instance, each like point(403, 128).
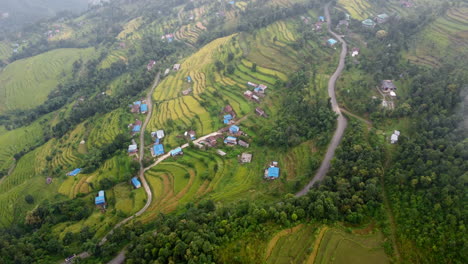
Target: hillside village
point(274, 127)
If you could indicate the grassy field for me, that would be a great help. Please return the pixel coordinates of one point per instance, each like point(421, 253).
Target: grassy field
point(26, 83)
point(5, 50)
point(339, 246)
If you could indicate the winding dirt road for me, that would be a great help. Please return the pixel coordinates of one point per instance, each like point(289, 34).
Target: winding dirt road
point(342, 122)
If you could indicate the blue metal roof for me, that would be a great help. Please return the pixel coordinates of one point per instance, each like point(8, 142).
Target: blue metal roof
point(101, 193)
point(144, 108)
point(332, 41)
point(273, 172)
point(158, 149)
point(189, 78)
point(176, 151)
point(136, 128)
point(99, 200)
point(74, 172)
point(226, 121)
point(137, 103)
point(136, 182)
point(321, 18)
point(234, 129)
point(228, 117)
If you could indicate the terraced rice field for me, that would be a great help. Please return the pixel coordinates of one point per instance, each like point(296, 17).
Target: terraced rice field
point(129, 31)
point(115, 55)
point(446, 37)
point(107, 127)
point(5, 50)
point(29, 177)
point(14, 141)
point(189, 33)
point(292, 245)
point(26, 83)
point(339, 246)
point(358, 9)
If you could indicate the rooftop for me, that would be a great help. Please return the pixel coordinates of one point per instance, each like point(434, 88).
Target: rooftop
point(273, 172)
point(158, 149)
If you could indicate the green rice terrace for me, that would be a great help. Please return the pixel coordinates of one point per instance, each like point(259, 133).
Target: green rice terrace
point(254, 131)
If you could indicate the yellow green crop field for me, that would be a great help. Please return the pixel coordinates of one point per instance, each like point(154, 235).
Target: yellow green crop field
point(358, 9)
point(5, 50)
point(26, 83)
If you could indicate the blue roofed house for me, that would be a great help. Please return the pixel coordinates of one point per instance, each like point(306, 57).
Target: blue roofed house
point(189, 79)
point(143, 108)
point(382, 18)
point(234, 129)
point(368, 23)
point(227, 119)
point(158, 149)
point(100, 198)
point(331, 42)
point(230, 141)
point(321, 18)
point(273, 173)
point(136, 183)
point(74, 172)
point(176, 151)
point(136, 128)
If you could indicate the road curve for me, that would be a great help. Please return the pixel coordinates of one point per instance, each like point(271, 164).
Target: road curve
point(342, 122)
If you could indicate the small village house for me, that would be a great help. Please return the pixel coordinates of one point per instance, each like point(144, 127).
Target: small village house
point(74, 172)
point(382, 18)
point(176, 67)
point(368, 23)
point(248, 94)
point(136, 183)
point(243, 144)
point(246, 158)
point(387, 86)
point(211, 141)
point(230, 140)
point(260, 89)
point(355, 52)
point(394, 137)
point(234, 129)
point(150, 65)
point(187, 91)
point(256, 98)
point(166, 72)
point(321, 18)
point(272, 173)
point(100, 199)
point(221, 153)
point(132, 149)
point(229, 110)
point(157, 150)
point(252, 84)
point(227, 119)
point(392, 94)
point(190, 134)
point(160, 134)
point(331, 42)
point(144, 108)
point(177, 151)
point(49, 180)
point(189, 79)
point(260, 112)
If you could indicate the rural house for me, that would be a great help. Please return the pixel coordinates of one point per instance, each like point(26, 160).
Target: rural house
point(256, 98)
point(160, 134)
point(221, 153)
point(144, 108)
point(150, 65)
point(230, 141)
point(243, 144)
point(252, 84)
point(100, 199)
point(272, 172)
point(176, 67)
point(157, 150)
point(211, 141)
point(248, 94)
point(132, 149)
point(74, 172)
point(394, 137)
point(246, 158)
point(234, 129)
point(227, 119)
point(136, 183)
point(260, 89)
point(382, 18)
point(260, 112)
point(177, 151)
point(387, 86)
point(368, 23)
point(229, 110)
point(190, 134)
point(331, 42)
point(354, 52)
point(321, 18)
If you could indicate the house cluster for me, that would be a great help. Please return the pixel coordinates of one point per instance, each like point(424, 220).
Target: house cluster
point(319, 23)
point(100, 199)
point(139, 107)
point(389, 87)
point(394, 137)
point(379, 19)
point(272, 172)
point(150, 65)
point(354, 52)
point(157, 149)
point(132, 148)
point(53, 32)
point(258, 91)
point(232, 140)
point(168, 37)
